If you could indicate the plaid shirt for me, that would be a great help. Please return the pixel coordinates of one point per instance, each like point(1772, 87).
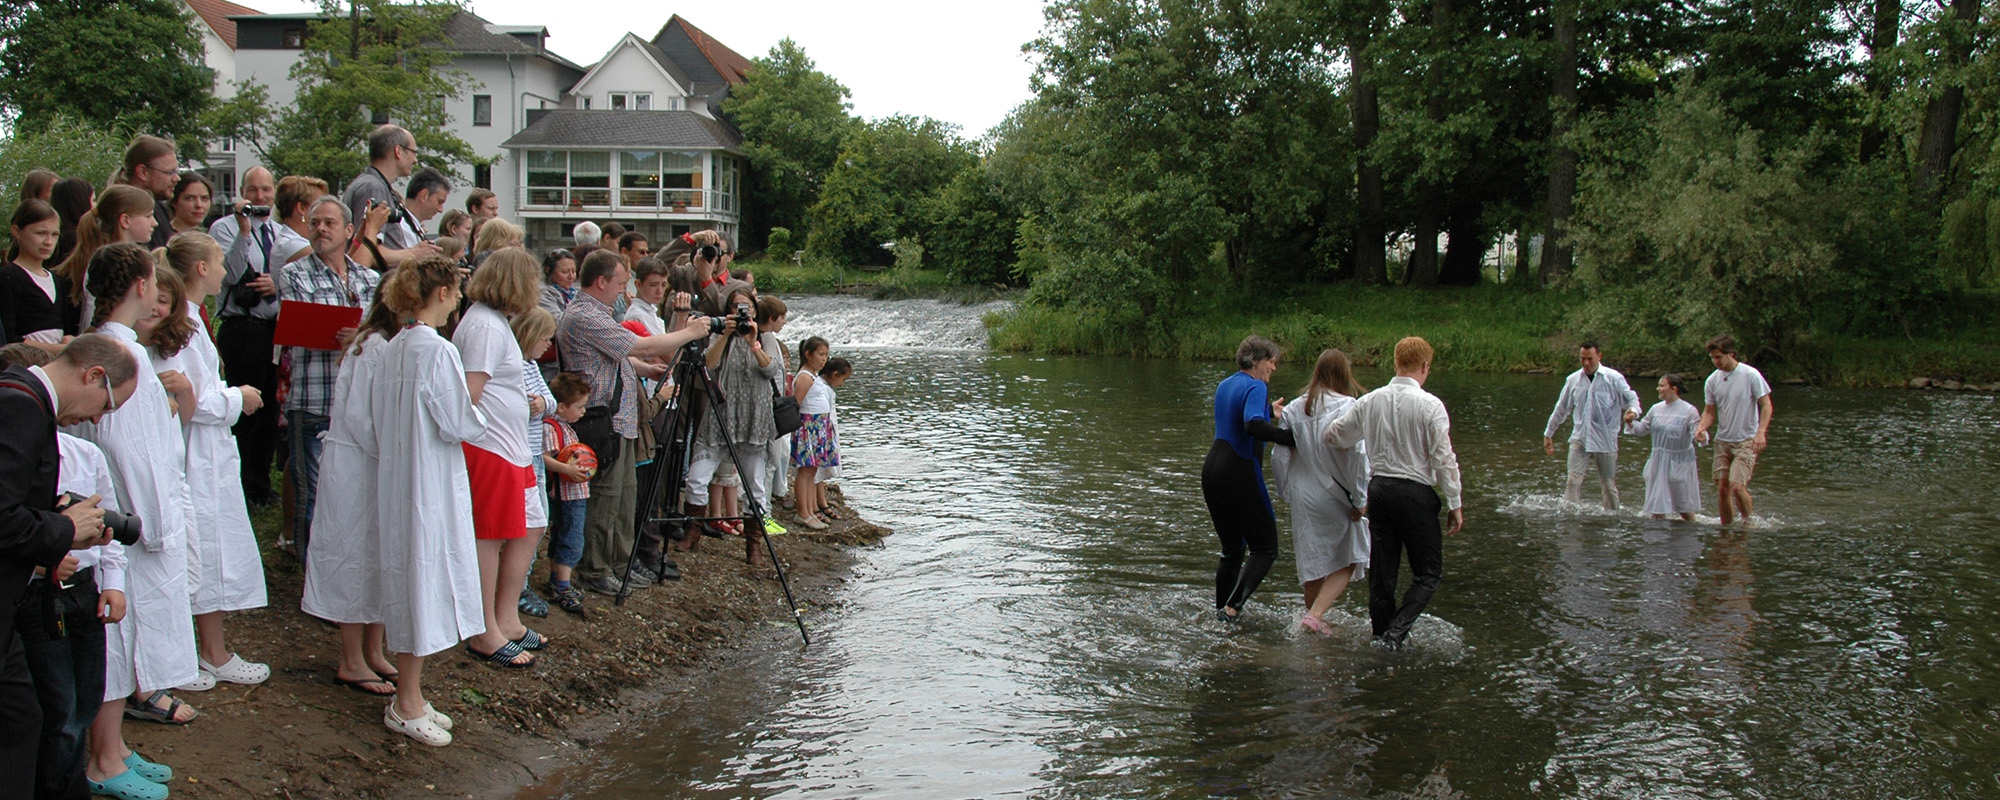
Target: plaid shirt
point(560, 435)
point(310, 280)
point(594, 344)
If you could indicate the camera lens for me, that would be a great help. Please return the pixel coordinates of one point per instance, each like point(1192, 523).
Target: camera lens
point(125, 528)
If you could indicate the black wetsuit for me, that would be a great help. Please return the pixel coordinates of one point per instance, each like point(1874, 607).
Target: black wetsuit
point(1232, 483)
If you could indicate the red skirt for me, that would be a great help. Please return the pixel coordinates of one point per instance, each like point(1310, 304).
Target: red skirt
point(499, 507)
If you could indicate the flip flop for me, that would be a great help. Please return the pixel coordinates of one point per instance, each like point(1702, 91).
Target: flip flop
point(503, 657)
point(363, 685)
point(151, 712)
point(532, 641)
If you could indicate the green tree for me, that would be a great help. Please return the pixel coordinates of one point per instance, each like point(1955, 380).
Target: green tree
point(372, 58)
point(876, 192)
point(131, 66)
point(67, 145)
point(794, 120)
point(970, 228)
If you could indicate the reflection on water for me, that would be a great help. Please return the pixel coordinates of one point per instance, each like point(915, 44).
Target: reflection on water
point(1039, 625)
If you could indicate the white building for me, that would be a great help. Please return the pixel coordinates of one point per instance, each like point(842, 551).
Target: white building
point(633, 139)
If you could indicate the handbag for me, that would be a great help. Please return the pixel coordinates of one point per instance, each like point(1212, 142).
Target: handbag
point(594, 427)
point(785, 414)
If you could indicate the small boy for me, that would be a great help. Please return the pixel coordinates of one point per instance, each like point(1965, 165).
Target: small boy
point(572, 393)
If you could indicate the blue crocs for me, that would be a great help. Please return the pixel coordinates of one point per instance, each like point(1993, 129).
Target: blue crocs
point(157, 773)
point(128, 785)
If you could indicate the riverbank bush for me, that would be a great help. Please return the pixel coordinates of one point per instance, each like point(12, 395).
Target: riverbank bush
point(811, 275)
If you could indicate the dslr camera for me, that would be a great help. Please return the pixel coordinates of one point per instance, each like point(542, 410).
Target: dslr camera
point(742, 319)
point(125, 528)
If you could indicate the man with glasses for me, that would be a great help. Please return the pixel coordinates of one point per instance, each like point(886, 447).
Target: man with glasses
point(90, 378)
point(152, 164)
point(392, 156)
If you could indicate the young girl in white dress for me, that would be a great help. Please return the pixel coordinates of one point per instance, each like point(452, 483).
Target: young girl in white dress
point(1326, 487)
point(229, 565)
point(430, 563)
point(1673, 474)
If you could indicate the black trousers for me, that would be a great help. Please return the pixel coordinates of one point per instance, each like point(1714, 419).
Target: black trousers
point(1233, 488)
point(245, 346)
point(67, 665)
point(1402, 515)
point(20, 721)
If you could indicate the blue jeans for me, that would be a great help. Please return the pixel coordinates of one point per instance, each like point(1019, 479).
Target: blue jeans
point(69, 681)
point(305, 428)
point(566, 535)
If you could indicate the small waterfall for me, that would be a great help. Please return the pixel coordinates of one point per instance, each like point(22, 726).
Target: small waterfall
point(849, 321)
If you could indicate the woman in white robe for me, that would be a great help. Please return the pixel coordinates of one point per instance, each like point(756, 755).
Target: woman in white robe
point(1327, 489)
point(344, 569)
point(151, 650)
point(228, 565)
point(430, 565)
point(1673, 474)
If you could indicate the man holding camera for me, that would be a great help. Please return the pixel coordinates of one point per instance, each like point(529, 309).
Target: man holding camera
point(254, 248)
point(92, 377)
point(392, 156)
point(612, 358)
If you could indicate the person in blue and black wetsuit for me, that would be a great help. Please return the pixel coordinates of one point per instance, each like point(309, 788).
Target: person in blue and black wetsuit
point(1232, 478)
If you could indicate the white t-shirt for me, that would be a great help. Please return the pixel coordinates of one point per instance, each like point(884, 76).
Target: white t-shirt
point(487, 345)
point(1734, 395)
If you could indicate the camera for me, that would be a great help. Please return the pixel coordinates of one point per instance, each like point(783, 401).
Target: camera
point(256, 211)
point(742, 319)
point(125, 528)
point(709, 252)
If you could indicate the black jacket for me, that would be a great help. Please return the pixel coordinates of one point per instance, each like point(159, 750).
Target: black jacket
point(31, 532)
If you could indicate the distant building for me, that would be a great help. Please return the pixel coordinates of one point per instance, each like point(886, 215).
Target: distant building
point(635, 138)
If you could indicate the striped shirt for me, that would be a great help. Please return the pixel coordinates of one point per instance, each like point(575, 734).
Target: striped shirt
point(310, 280)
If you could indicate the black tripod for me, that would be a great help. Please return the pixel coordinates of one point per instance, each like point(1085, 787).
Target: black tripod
point(674, 432)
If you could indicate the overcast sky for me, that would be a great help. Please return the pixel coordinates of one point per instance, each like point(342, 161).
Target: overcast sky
point(960, 62)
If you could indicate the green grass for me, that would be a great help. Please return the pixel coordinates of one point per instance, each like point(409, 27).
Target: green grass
point(1484, 329)
point(813, 276)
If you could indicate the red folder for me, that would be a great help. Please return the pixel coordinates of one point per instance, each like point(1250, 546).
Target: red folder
point(313, 326)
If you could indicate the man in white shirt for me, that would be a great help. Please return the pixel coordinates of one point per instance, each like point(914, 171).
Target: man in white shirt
point(1597, 400)
point(1737, 402)
point(255, 249)
point(1409, 452)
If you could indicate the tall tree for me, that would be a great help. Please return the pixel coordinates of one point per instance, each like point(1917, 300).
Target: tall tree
point(1939, 139)
point(1557, 253)
point(131, 66)
point(1364, 100)
point(1886, 18)
point(794, 120)
point(880, 188)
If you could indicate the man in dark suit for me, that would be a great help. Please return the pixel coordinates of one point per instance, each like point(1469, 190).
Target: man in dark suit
point(92, 377)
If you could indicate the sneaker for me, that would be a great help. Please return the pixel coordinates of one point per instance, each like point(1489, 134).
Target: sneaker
point(669, 571)
point(608, 584)
point(569, 599)
point(640, 578)
point(532, 604)
point(772, 528)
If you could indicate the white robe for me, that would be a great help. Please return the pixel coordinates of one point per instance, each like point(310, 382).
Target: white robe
point(430, 566)
point(153, 648)
point(343, 568)
point(1322, 483)
point(227, 559)
point(1673, 473)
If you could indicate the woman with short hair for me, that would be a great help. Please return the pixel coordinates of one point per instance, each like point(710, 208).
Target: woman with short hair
point(1232, 477)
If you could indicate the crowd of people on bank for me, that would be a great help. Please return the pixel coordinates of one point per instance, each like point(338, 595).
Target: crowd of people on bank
point(486, 401)
point(1367, 473)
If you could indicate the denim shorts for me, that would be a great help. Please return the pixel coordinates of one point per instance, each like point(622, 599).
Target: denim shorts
point(566, 533)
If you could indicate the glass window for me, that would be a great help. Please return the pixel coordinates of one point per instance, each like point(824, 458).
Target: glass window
point(482, 109)
point(548, 177)
point(295, 38)
point(642, 102)
point(617, 101)
point(639, 178)
point(590, 179)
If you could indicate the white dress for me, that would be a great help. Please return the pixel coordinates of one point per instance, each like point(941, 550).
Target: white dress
point(430, 566)
point(343, 568)
point(153, 648)
point(1322, 483)
point(227, 560)
point(1673, 474)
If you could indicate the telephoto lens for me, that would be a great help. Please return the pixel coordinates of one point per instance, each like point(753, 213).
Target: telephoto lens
point(125, 528)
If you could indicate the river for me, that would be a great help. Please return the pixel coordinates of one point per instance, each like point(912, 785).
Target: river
point(1039, 625)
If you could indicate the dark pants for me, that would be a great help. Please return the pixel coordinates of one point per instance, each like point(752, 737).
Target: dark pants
point(245, 346)
point(20, 721)
point(68, 671)
point(305, 430)
point(651, 542)
point(1233, 487)
point(1402, 514)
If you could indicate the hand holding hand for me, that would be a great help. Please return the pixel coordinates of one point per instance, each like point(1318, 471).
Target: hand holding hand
point(1355, 514)
point(1631, 415)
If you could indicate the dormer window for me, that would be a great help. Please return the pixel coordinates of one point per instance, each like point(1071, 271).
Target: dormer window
point(631, 101)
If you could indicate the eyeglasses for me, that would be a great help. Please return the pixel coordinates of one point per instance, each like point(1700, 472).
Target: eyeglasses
point(172, 168)
point(110, 398)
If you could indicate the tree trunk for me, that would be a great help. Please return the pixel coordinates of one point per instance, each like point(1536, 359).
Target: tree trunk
point(1370, 245)
point(1888, 18)
point(1940, 133)
point(1466, 250)
point(1423, 268)
point(1523, 268)
point(1556, 255)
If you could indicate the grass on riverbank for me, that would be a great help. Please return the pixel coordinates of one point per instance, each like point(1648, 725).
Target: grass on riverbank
point(812, 276)
point(1483, 329)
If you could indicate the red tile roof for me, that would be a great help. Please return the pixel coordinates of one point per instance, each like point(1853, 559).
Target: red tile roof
point(217, 13)
point(731, 64)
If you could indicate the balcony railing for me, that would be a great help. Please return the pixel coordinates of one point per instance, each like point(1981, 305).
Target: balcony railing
point(672, 201)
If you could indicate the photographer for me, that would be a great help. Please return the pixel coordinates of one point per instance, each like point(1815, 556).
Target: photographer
point(743, 376)
point(92, 377)
point(392, 156)
point(254, 248)
point(424, 197)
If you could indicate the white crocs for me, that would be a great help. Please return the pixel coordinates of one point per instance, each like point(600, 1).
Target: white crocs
point(437, 716)
point(235, 670)
point(203, 681)
point(424, 729)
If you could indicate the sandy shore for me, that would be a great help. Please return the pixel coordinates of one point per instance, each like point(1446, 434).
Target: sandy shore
point(300, 736)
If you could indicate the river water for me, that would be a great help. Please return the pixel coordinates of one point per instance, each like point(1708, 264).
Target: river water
point(1039, 625)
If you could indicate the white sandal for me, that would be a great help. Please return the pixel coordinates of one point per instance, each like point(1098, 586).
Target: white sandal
point(437, 717)
point(423, 729)
point(236, 670)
